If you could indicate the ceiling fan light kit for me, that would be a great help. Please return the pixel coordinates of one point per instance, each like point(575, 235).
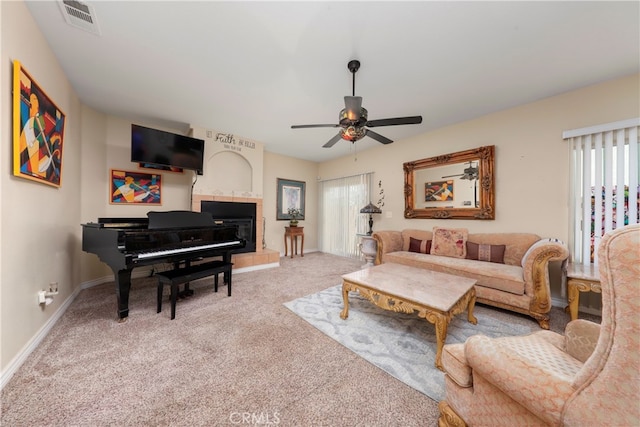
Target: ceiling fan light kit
point(352, 133)
point(353, 119)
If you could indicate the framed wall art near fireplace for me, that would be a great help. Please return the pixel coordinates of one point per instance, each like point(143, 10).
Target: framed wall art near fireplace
point(135, 188)
point(290, 195)
point(38, 131)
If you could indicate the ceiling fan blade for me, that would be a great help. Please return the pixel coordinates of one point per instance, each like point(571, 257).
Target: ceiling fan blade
point(378, 137)
point(353, 105)
point(333, 140)
point(413, 120)
point(313, 126)
point(451, 176)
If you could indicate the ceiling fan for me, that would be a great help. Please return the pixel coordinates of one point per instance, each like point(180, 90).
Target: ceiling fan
point(469, 173)
point(353, 118)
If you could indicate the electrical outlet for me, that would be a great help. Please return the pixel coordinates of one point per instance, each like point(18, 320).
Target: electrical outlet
point(53, 287)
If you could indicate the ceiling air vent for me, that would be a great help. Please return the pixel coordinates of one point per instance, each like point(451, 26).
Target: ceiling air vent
point(79, 15)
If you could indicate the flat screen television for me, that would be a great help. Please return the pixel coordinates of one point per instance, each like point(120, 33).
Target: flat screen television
point(166, 149)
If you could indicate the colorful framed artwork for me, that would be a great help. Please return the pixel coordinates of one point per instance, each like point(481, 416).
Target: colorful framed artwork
point(38, 131)
point(290, 195)
point(438, 191)
point(135, 188)
point(160, 167)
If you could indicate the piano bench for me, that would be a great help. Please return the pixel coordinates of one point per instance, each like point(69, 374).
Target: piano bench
point(181, 275)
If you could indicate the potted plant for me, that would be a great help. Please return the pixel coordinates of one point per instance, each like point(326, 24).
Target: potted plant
point(294, 213)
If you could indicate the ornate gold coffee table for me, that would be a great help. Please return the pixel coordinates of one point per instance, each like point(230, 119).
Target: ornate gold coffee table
point(436, 297)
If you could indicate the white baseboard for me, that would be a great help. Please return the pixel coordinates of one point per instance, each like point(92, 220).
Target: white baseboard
point(135, 274)
point(562, 303)
point(35, 341)
point(558, 302)
point(306, 251)
point(256, 267)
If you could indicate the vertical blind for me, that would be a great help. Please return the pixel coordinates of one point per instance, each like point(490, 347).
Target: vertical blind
point(604, 184)
point(340, 219)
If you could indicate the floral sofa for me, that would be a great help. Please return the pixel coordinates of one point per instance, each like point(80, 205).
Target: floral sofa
point(511, 269)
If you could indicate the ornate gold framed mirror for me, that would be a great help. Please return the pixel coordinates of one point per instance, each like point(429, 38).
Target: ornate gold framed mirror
point(451, 186)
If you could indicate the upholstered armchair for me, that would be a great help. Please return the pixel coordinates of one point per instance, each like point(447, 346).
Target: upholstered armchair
point(590, 376)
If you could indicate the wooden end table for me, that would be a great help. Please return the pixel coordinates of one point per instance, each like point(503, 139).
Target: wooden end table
point(436, 297)
point(580, 278)
point(293, 233)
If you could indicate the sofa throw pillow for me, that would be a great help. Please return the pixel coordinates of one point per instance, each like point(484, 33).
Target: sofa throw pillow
point(489, 253)
point(420, 246)
point(449, 242)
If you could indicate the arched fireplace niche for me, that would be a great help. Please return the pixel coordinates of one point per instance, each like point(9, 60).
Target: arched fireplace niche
point(231, 189)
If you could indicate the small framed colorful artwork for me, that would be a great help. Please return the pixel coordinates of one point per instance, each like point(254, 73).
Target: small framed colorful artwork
point(38, 131)
point(135, 188)
point(437, 191)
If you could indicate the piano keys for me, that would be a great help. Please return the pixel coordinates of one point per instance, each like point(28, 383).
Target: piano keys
point(163, 237)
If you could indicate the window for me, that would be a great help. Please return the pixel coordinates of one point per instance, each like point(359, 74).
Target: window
point(340, 218)
point(604, 184)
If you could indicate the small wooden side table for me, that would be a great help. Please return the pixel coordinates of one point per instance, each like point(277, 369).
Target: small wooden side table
point(580, 278)
point(293, 233)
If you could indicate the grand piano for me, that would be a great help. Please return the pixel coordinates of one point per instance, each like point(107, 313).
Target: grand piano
point(163, 237)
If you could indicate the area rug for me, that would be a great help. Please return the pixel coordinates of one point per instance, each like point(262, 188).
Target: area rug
point(403, 345)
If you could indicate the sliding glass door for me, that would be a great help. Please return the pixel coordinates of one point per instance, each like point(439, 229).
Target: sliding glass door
point(340, 219)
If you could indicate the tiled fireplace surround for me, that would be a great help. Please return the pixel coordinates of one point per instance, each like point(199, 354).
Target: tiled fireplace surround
point(261, 258)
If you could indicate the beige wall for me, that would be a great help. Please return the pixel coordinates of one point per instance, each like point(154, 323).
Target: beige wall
point(39, 223)
point(233, 165)
point(106, 145)
point(531, 166)
point(278, 166)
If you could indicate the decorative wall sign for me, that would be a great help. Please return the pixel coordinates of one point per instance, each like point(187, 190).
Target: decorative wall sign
point(290, 195)
point(438, 191)
point(38, 131)
point(380, 203)
point(233, 143)
point(135, 188)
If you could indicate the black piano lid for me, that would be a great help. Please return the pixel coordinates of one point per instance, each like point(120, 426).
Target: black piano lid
point(170, 219)
point(158, 220)
point(113, 222)
point(125, 219)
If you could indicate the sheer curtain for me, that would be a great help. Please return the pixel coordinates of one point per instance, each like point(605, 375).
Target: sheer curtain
point(604, 184)
point(340, 219)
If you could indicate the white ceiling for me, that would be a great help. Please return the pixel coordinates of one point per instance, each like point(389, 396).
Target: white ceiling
point(255, 68)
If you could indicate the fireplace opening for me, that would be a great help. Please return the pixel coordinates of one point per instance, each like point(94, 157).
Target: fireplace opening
point(240, 214)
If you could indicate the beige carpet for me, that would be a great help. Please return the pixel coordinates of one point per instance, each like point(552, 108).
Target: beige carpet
point(401, 344)
point(244, 359)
